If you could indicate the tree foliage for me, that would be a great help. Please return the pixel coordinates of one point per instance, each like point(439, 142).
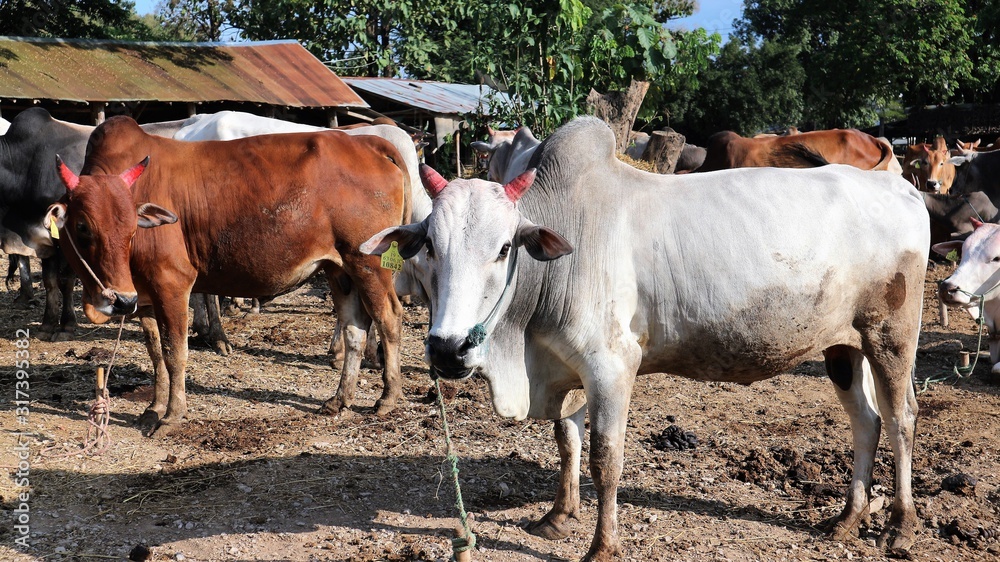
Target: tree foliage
point(860, 57)
point(88, 19)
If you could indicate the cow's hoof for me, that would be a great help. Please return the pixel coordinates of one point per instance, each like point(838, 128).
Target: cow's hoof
point(164, 429)
point(373, 364)
point(898, 536)
point(222, 347)
point(44, 334)
point(841, 532)
point(384, 406)
point(331, 407)
point(549, 528)
point(23, 301)
point(602, 554)
point(64, 335)
point(148, 421)
point(996, 369)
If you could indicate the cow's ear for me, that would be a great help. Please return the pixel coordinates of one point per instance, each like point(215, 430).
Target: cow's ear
point(945, 248)
point(151, 215)
point(542, 243)
point(408, 238)
point(963, 159)
point(55, 218)
point(480, 146)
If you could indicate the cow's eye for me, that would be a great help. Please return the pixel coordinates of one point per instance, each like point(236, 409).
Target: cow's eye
point(83, 230)
point(504, 250)
point(430, 248)
point(996, 259)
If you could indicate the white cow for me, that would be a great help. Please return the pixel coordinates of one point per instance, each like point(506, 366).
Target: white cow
point(229, 125)
point(978, 274)
point(830, 260)
point(509, 152)
point(4, 125)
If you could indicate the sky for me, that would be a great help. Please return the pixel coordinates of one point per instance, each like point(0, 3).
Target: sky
point(713, 15)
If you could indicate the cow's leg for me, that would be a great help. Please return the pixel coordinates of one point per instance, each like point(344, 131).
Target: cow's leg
point(891, 349)
point(371, 358)
point(67, 320)
point(994, 353)
point(161, 378)
point(352, 322)
point(21, 266)
point(50, 280)
point(216, 335)
point(377, 290)
point(569, 437)
point(199, 314)
point(608, 386)
point(852, 378)
point(172, 321)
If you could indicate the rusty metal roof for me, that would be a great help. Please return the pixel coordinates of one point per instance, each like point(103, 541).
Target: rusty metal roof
point(267, 72)
point(435, 97)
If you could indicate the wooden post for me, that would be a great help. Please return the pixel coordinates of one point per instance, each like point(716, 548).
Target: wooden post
point(663, 150)
point(618, 109)
point(332, 120)
point(192, 109)
point(963, 359)
point(458, 154)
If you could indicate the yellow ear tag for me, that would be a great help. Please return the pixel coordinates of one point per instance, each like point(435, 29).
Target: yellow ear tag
point(952, 256)
point(391, 258)
point(53, 229)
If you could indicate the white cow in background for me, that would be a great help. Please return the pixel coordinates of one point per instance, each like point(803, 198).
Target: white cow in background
point(229, 125)
point(509, 153)
point(4, 125)
point(978, 273)
point(656, 285)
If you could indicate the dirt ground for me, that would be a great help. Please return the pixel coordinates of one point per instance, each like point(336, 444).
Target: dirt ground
point(257, 475)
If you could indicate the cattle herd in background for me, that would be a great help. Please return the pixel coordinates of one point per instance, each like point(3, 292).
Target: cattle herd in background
point(239, 205)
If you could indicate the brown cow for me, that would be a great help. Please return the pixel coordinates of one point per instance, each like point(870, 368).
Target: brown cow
point(254, 217)
point(805, 150)
point(928, 168)
point(974, 146)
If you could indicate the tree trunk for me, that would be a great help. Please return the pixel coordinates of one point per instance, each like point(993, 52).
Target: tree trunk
point(618, 109)
point(663, 150)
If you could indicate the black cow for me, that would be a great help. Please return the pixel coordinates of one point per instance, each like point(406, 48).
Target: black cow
point(950, 215)
point(977, 171)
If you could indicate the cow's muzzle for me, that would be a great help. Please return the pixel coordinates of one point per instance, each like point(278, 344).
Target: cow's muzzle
point(950, 293)
point(121, 303)
point(448, 356)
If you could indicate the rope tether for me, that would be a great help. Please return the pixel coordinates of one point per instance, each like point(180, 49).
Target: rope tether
point(468, 542)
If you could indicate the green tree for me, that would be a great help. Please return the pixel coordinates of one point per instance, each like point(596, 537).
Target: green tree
point(860, 57)
point(195, 20)
point(89, 19)
point(747, 88)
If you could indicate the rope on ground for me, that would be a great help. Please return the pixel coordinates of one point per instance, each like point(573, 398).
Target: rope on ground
point(961, 371)
point(468, 542)
point(98, 439)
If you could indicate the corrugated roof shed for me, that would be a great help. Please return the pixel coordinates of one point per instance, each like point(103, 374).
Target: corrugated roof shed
point(435, 97)
point(281, 73)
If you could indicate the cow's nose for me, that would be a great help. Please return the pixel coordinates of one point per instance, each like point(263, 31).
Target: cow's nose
point(447, 356)
point(125, 303)
point(947, 289)
point(933, 185)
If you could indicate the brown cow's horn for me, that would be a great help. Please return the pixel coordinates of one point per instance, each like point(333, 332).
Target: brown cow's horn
point(69, 179)
point(976, 223)
point(130, 175)
point(517, 186)
point(490, 130)
point(433, 182)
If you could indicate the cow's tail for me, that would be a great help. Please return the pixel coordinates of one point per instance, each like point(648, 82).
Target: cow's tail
point(407, 191)
point(798, 155)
